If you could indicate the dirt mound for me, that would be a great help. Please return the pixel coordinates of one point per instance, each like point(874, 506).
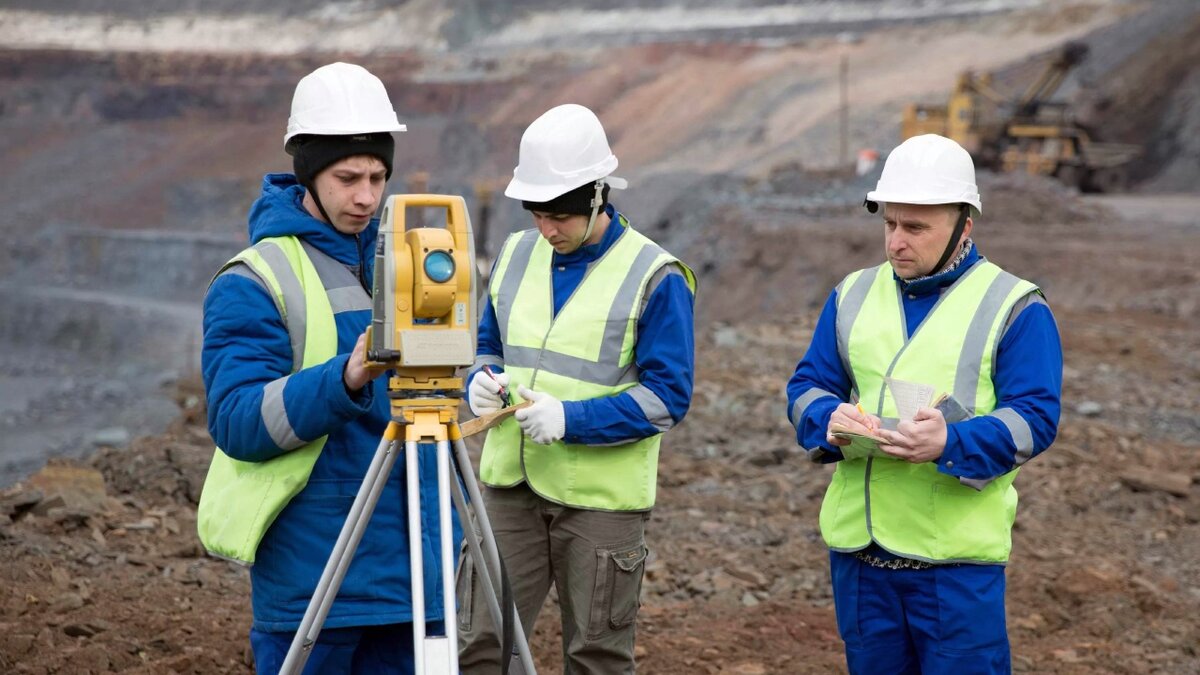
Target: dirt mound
point(1154, 100)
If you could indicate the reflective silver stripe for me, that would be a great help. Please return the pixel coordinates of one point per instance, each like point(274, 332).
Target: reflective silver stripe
point(656, 279)
point(621, 309)
point(348, 299)
point(848, 308)
point(652, 407)
point(976, 483)
point(274, 415)
point(607, 369)
point(341, 284)
point(333, 272)
point(241, 269)
point(806, 399)
point(970, 360)
point(570, 366)
point(900, 301)
point(1032, 298)
point(814, 455)
point(482, 360)
point(514, 273)
point(295, 314)
point(1021, 433)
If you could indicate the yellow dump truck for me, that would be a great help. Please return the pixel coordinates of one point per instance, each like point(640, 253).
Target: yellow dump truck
point(1027, 132)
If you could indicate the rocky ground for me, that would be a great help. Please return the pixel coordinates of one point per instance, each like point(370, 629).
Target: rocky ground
point(731, 142)
point(101, 569)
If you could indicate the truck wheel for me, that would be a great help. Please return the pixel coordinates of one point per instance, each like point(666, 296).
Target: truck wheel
point(1108, 179)
point(1069, 175)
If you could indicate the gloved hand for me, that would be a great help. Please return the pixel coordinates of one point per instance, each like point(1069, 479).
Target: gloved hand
point(544, 421)
point(484, 393)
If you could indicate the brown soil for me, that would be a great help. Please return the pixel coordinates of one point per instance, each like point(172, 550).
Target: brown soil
point(1103, 577)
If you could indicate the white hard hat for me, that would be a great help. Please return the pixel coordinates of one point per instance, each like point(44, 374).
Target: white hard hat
point(563, 149)
point(928, 169)
point(340, 99)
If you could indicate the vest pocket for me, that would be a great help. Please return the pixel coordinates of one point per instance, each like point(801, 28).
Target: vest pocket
point(971, 525)
point(616, 597)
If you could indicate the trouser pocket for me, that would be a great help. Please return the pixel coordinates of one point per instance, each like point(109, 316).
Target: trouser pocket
point(616, 594)
point(464, 587)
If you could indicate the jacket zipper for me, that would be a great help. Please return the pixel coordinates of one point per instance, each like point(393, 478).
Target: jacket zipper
point(362, 267)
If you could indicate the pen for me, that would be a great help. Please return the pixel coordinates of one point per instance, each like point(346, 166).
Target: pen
point(503, 391)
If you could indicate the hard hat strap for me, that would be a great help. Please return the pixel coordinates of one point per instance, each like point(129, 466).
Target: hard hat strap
point(597, 200)
point(312, 190)
point(952, 245)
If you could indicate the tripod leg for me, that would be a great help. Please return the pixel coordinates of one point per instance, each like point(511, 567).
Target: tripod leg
point(446, 529)
point(476, 553)
point(342, 554)
point(416, 554)
point(490, 596)
point(438, 653)
point(493, 552)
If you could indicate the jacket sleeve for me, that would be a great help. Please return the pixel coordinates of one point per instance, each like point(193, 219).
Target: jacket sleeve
point(258, 408)
point(489, 350)
point(1028, 382)
point(818, 386)
point(665, 357)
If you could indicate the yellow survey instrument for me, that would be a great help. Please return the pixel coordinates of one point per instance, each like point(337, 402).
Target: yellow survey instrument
point(423, 321)
point(423, 326)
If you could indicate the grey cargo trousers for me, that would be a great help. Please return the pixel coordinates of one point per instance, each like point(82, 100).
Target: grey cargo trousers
point(595, 559)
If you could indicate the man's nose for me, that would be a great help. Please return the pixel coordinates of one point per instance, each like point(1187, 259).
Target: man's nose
point(363, 194)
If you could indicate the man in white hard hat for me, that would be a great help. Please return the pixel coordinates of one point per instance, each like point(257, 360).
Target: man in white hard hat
point(591, 321)
point(919, 522)
point(295, 414)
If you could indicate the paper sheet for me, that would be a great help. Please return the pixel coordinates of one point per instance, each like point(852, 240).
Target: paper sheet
point(861, 445)
point(909, 396)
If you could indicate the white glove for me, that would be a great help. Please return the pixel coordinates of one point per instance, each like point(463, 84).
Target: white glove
point(544, 421)
point(484, 393)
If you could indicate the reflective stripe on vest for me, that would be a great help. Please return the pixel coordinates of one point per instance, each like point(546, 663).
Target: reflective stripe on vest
point(585, 352)
point(240, 500)
point(913, 510)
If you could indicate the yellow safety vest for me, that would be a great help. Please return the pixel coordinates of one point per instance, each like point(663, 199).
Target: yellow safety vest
point(585, 352)
point(913, 510)
point(240, 500)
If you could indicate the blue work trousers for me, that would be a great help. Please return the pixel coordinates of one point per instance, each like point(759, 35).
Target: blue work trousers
point(947, 619)
point(359, 650)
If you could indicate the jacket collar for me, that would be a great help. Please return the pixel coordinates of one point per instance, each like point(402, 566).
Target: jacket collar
point(279, 211)
point(936, 282)
point(592, 252)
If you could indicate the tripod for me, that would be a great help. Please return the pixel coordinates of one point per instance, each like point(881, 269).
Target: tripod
point(429, 418)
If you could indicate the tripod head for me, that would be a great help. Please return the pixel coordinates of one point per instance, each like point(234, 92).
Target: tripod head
point(423, 321)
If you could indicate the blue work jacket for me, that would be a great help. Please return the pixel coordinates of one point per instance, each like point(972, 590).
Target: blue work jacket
point(246, 346)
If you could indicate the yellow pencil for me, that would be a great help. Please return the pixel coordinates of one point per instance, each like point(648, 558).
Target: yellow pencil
point(858, 405)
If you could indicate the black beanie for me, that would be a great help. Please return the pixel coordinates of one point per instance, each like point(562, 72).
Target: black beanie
point(577, 202)
point(312, 154)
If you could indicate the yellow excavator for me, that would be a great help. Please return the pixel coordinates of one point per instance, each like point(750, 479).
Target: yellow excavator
point(1028, 132)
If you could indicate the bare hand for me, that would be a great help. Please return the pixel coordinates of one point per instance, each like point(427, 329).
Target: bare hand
point(356, 374)
point(849, 416)
point(923, 439)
